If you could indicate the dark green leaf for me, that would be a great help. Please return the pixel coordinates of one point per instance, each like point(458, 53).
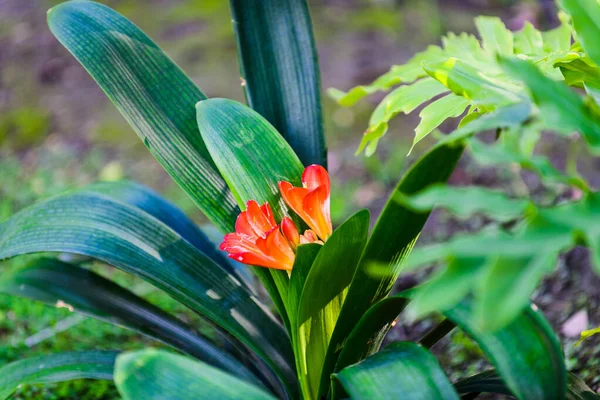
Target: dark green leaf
point(403, 370)
point(58, 367)
point(126, 237)
point(149, 201)
point(152, 93)
point(280, 68)
point(526, 353)
point(483, 382)
point(253, 158)
point(323, 296)
point(578, 390)
point(65, 285)
point(157, 375)
point(392, 239)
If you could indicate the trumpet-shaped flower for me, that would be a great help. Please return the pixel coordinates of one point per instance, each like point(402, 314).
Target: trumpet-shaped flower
point(258, 240)
point(311, 201)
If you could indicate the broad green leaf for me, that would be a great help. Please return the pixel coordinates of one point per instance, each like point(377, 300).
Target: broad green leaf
point(580, 72)
point(526, 353)
point(126, 237)
point(65, 285)
point(149, 201)
point(403, 370)
point(279, 65)
point(495, 37)
point(392, 239)
point(466, 201)
point(559, 38)
point(467, 81)
point(156, 375)
point(152, 93)
point(252, 157)
point(432, 116)
point(57, 367)
point(585, 15)
point(323, 296)
point(561, 109)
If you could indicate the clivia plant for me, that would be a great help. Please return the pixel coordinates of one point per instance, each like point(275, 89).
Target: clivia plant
point(259, 174)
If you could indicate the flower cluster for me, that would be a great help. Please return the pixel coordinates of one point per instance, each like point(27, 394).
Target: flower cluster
point(258, 240)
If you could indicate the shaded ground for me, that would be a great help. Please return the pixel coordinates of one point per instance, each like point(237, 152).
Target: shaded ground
point(58, 131)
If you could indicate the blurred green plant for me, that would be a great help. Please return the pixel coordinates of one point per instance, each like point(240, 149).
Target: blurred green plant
point(333, 311)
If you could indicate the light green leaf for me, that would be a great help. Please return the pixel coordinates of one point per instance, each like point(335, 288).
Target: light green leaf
point(467, 81)
point(587, 334)
point(529, 40)
point(403, 370)
point(561, 109)
point(157, 375)
point(432, 116)
point(586, 21)
point(279, 64)
point(465, 201)
point(58, 367)
point(323, 296)
point(496, 38)
point(152, 93)
point(60, 284)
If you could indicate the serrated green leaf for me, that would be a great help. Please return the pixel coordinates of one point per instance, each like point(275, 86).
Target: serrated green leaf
point(529, 40)
point(561, 109)
point(495, 37)
point(323, 296)
point(60, 284)
point(124, 236)
point(465, 201)
point(466, 81)
point(391, 241)
point(156, 375)
point(403, 370)
point(432, 116)
point(152, 93)
point(252, 157)
point(57, 367)
point(279, 64)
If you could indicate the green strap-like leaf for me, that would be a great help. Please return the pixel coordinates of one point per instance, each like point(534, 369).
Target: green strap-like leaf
point(526, 353)
point(151, 202)
point(392, 239)
point(279, 65)
point(253, 158)
point(157, 375)
point(65, 285)
point(126, 237)
point(152, 93)
point(58, 367)
point(403, 370)
point(323, 297)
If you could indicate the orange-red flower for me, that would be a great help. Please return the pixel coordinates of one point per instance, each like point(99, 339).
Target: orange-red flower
point(311, 201)
point(258, 240)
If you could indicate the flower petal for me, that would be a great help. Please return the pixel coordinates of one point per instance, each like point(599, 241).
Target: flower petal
point(257, 219)
point(315, 176)
point(316, 206)
point(243, 226)
point(290, 232)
